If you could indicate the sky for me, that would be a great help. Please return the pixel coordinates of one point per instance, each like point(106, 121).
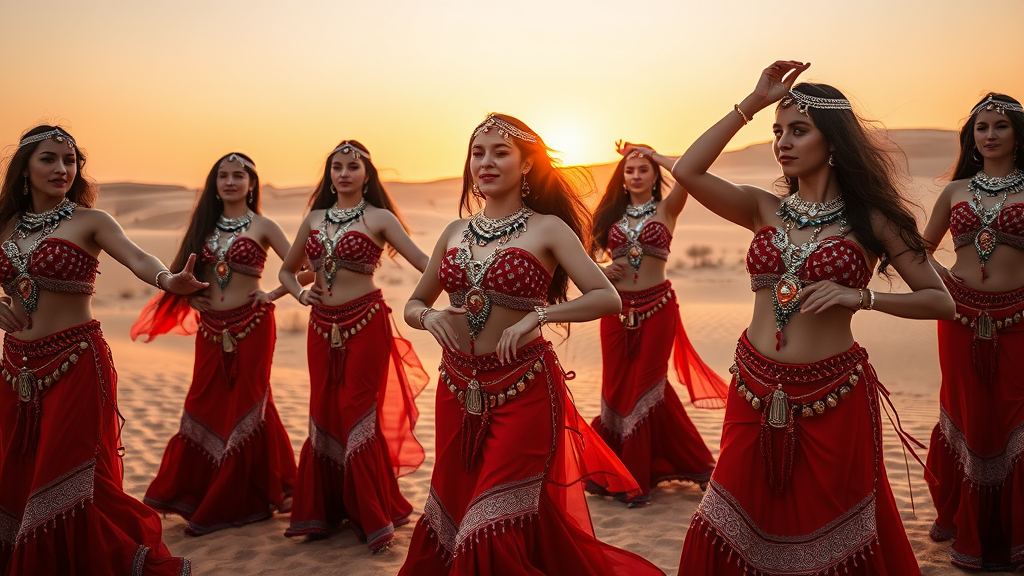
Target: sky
point(157, 91)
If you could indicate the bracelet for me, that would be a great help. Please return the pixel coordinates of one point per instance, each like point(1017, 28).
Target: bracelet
point(860, 300)
point(299, 297)
point(422, 316)
point(156, 281)
point(746, 120)
point(871, 302)
point(542, 315)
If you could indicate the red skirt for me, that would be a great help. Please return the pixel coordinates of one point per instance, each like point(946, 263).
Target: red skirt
point(231, 462)
point(364, 379)
point(505, 496)
point(62, 506)
point(800, 485)
point(642, 419)
point(975, 453)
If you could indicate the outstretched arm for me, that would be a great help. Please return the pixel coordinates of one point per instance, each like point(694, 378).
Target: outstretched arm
point(396, 235)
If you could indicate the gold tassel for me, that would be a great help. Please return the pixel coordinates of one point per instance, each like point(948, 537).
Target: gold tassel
point(474, 398)
point(778, 409)
point(228, 341)
point(337, 339)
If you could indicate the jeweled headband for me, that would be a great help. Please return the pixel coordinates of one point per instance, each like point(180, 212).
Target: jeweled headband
point(57, 134)
point(505, 130)
point(240, 160)
point(998, 106)
point(805, 101)
point(349, 148)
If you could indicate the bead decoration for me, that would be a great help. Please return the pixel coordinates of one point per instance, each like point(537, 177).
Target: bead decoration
point(780, 403)
point(28, 382)
point(476, 399)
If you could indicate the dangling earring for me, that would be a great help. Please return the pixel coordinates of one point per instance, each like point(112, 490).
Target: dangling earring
point(624, 189)
point(976, 157)
point(250, 196)
point(525, 187)
point(831, 160)
point(26, 186)
point(334, 190)
point(218, 198)
point(366, 186)
point(476, 191)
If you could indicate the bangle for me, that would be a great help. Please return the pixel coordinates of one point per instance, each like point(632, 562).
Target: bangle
point(743, 116)
point(542, 315)
point(422, 316)
point(156, 281)
point(871, 301)
point(860, 300)
point(301, 294)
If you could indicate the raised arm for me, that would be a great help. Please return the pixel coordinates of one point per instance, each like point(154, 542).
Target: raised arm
point(396, 235)
point(673, 202)
point(292, 264)
point(739, 204)
point(938, 224)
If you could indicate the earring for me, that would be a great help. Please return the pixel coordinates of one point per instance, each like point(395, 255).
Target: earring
point(366, 186)
point(525, 187)
point(624, 189)
point(476, 191)
point(976, 157)
point(26, 186)
point(831, 160)
point(218, 198)
point(333, 189)
point(250, 196)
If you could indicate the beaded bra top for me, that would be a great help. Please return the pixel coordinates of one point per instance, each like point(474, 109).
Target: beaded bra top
point(354, 251)
point(837, 259)
point(514, 279)
point(968, 226)
point(654, 238)
point(56, 265)
point(245, 256)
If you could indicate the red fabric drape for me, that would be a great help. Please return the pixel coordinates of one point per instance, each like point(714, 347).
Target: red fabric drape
point(62, 507)
point(165, 314)
point(231, 462)
point(520, 508)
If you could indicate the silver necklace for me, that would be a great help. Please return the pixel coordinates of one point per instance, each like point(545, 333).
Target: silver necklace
point(47, 223)
point(344, 218)
point(235, 226)
point(482, 230)
point(645, 209)
point(991, 186)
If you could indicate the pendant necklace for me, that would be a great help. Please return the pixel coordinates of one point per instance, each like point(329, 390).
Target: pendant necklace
point(343, 218)
point(46, 223)
point(635, 253)
point(234, 226)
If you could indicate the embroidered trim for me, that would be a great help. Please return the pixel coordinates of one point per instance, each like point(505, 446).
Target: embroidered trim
point(819, 551)
point(364, 430)
point(325, 445)
point(624, 426)
point(982, 470)
point(9, 525)
point(58, 497)
point(940, 533)
point(139, 563)
point(186, 567)
point(374, 539)
point(216, 447)
point(499, 504)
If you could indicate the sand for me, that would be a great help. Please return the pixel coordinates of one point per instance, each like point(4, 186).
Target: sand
point(716, 304)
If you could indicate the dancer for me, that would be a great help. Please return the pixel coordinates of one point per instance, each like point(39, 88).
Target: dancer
point(977, 480)
point(231, 462)
point(505, 495)
point(62, 506)
point(363, 375)
point(642, 419)
point(800, 486)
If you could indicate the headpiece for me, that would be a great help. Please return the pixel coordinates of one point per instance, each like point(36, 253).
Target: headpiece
point(999, 106)
point(241, 160)
point(805, 101)
point(505, 130)
point(57, 134)
point(350, 148)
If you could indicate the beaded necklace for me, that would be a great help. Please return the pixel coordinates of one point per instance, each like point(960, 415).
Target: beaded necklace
point(46, 223)
point(344, 218)
point(234, 226)
point(635, 253)
point(805, 213)
point(986, 239)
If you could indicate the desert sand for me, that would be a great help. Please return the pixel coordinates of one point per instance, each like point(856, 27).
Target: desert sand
point(716, 303)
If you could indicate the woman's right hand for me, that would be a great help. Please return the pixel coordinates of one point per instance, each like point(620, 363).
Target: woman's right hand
point(200, 302)
point(439, 324)
point(8, 319)
point(775, 82)
point(614, 271)
point(312, 296)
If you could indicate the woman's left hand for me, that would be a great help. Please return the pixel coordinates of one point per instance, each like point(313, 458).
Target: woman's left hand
point(184, 283)
point(506, 349)
point(823, 295)
point(624, 148)
point(259, 297)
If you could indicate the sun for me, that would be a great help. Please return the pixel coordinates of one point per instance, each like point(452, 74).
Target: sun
point(572, 143)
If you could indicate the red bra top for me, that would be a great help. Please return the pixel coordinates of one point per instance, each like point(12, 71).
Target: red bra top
point(515, 279)
point(245, 256)
point(837, 258)
point(654, 237)
point(964, 225)
point(57, 265)
point(355, 251)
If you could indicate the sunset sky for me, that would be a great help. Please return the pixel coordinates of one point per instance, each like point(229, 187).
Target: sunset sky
point(156, 91)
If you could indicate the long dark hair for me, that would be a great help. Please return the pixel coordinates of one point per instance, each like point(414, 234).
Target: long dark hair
point(553, 190)
point(867, 174)
point(14, 201)
point(966, 164)
point(614, 201)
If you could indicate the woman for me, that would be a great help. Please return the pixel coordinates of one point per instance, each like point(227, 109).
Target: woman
point(977, 481)
point(62, 507)
point(505, 495)
point(800, 485)
point(363, 375)
point(231, 462)
point(642, 419)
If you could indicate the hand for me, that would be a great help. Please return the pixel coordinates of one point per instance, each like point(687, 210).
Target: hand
point(8, 319)
point(825, 294)
point(506, 349)
point(614, 271)
point(624, 148)
point(259, 297)
point(439, 324)
point(200, 302)
point(184, 283)
point(312, 296)
point(775, 82)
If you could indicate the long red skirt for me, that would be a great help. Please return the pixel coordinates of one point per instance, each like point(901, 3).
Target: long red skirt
point(642, 419)
point(505, 496)
point(231, 462)
point(810, 496)
point(975, 454)
point(364, 379)
point(62, 506)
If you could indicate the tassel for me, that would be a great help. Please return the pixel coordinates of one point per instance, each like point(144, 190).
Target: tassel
point(779, 341)
point(473, 435)
point(30, 414)
point(336, 365)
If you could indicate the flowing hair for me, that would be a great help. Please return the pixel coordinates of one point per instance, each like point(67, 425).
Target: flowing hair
point(14, 201)
point(374, 192)
point(614, 201)
point(553, 190)
point(867, 174)
point(966, 164)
